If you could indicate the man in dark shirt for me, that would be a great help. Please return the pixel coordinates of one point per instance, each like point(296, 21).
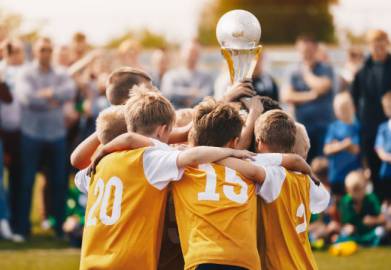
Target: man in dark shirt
point(264, 84)
point(371, 82)
point(310, 93)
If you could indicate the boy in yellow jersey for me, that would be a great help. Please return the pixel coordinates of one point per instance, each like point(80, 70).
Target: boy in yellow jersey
point(127, 193)
point(288, 197)
point(215, 206)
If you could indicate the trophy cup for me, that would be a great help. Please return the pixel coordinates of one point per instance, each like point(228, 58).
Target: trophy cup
point(238, 32)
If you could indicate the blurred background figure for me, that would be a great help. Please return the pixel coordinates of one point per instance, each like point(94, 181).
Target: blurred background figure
point(79, 46)
point(42, 89)
point(128, 54)
point(355, 57)
point(10, 125)
point(263, 83)
point(160, 64)
point(63, 56)
point(370, 83)
point(186, 86)
point(309, 91)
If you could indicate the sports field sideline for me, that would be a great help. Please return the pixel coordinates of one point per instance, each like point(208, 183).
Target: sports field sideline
point(44, 253)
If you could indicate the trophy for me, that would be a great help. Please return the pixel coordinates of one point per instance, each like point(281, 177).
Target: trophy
point(238, 32)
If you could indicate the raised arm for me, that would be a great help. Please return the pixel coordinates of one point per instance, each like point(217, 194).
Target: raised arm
point(255, 109)
point(82, 155)
point(294, 162)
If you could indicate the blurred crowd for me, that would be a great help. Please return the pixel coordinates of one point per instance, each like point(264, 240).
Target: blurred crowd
point(51, 95)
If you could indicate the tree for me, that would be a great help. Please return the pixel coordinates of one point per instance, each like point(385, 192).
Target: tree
point(281, 20)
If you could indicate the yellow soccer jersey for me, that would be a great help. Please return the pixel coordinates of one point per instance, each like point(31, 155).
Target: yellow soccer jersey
point(125, 208)
point(288, 200)
point(216, 215)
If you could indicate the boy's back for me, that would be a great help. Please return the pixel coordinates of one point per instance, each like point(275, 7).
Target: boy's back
point(286, 214)
point(216, 215)
point(124, 186)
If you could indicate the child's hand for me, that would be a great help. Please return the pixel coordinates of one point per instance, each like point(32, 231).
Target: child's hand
point(242, 154)
point(370, 220)
point(101, 153)
point(239, 90)
point(348, 229)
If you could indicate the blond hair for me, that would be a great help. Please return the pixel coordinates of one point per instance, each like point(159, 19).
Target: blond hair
point(355, 179)
point(277, 130)
point(110, 124)
point(146, 110)
point(302, 141)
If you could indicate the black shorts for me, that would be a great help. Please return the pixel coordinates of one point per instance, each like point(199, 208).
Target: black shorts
point(210, 266)
point(385, 189)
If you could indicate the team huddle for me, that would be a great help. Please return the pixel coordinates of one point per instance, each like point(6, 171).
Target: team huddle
point(179, 190)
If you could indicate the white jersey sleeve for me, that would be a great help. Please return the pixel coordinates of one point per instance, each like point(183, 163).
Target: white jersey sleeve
point(319, 198)
point(160, 165)
point(271, 187)
point(82, 181)
point(269, 159)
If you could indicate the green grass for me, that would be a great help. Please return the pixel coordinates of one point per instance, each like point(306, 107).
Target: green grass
point(45, 252)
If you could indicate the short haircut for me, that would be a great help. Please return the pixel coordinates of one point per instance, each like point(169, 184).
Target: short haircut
point(376, 35)
point(146, 110)
point(302, 141)
point(215, 123)
point(269, 104)
point(121, 80)
point(277, 130)
point(355, 179)
point(110, 124)
point(307, 38)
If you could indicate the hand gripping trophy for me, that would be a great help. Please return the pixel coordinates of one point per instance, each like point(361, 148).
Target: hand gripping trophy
point(238, 32)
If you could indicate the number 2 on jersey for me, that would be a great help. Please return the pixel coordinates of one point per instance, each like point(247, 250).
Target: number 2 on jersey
point(231, 177)
point(103, 193)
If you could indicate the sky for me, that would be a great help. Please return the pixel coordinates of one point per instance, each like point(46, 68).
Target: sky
point(177, 19)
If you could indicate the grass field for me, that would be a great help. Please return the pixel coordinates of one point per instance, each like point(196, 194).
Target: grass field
point(44, 253)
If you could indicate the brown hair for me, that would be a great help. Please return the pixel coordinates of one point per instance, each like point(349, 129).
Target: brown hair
point(146, 110)
point(110, 123)
point(121, 80)
point(376, 35)
point(277, 130)
point(215, 123)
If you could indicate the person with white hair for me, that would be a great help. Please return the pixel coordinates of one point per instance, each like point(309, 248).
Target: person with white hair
point(186, 86)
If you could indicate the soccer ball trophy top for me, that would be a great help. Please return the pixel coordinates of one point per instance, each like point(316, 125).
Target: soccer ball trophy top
point(238, 32)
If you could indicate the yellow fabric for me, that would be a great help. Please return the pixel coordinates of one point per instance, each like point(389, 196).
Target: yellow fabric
point(216, 231)
point(133, 241)
point(283, 247)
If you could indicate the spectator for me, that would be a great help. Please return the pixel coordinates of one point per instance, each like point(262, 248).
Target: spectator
point(360, 212)
point(342, 143)
point(263, 83)
point(369, 85)
point(42, 89)
point(352, 66)
point(79, 46)
point(383, 149)
point(187, 86)
point(63, 56)
point(160, 63)
point(10, 121)
point(128, 54)
point(5, 230)
point(310, 92)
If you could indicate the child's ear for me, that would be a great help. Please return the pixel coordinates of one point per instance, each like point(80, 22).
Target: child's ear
point(234, 143)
